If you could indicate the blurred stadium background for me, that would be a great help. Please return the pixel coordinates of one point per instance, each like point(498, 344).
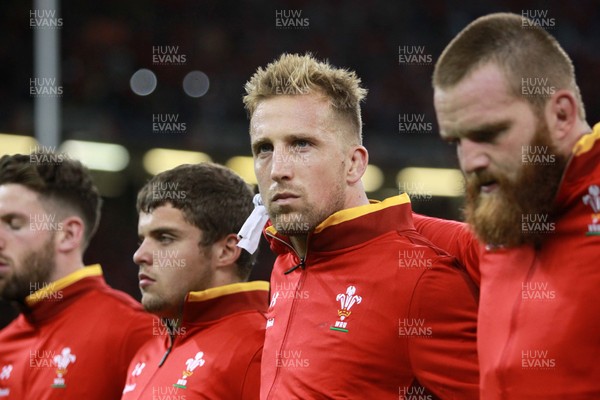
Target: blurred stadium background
point(123, 64)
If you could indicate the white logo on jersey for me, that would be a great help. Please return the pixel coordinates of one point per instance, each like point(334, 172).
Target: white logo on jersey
point(62, 361)
point(191, 364)
point(137, 370)
point(347, 300)
point(6, 370)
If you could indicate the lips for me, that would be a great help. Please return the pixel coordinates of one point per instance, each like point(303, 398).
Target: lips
point(4, 264)
point(282, 197)
point(483, 182)
point(488, 187)
point(145, 280)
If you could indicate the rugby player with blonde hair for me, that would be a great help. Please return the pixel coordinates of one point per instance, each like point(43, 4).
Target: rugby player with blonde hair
point(362, 306)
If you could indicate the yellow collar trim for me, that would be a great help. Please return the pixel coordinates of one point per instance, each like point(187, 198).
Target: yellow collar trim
point(586, 142)
point(59, 284)
point(228, 289)
point(355, 212)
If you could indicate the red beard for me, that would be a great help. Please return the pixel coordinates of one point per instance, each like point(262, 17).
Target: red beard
point(497, 218)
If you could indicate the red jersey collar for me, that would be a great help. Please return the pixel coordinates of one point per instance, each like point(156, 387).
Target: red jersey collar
point(218, 302)
point(53, 298)
point(579, 172)
point(352, 226)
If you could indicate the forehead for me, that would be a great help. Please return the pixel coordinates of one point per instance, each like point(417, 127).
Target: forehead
point(483, 97)
point(298, 113)
point(15, 198)
point(164, 216)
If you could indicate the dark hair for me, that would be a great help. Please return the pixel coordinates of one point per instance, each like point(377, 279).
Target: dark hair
point(211, 197)
point(62, 183)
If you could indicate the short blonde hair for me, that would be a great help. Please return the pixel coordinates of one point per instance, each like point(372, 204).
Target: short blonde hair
point(294, 74)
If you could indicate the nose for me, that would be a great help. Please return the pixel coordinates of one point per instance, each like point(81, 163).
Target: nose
point(472, 156)
point(3, 237)
point(282, 164)
point(143, 255)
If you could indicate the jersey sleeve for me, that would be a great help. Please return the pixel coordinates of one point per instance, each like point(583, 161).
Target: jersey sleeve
point(443, 353)
point(455, 238)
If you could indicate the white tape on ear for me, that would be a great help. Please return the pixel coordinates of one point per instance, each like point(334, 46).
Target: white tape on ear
point(252, 229)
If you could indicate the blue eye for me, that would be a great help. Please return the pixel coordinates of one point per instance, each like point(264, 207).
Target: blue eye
point(15, 223)
point(164, 239)
point(263, 148)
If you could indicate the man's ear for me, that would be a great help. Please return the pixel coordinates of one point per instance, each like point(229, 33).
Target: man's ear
point(359, 159)
point(562, 115)
point(225, 251)
point(70, 234)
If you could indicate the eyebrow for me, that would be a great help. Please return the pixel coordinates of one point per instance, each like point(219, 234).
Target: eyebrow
point(157, 232)
point(14, 215)
point(259, 142)
point(481, 133)
point(291, 137)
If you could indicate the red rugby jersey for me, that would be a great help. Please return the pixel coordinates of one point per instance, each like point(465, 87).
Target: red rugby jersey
point(75, 341)
point(374, 311)
point(213, 353)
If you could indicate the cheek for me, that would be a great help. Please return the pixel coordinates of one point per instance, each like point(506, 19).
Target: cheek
point(261, 169)
point(32, 241)
point(509, 158)
point(323, 183)
point(460, 156)
point(171, 279)
point(262, 176)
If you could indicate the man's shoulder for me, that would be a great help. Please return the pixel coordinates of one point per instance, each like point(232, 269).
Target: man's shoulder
point(112, 311)
point(227, 331)
point(18, 330)
point(117, 300)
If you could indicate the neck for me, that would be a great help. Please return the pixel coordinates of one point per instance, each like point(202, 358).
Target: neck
point(355, 195)
point(171, 323)
point(66, 265)
point(359, 198)
point(171, 320)
point(582, 128)
point(223, 276)
point(299, 243)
